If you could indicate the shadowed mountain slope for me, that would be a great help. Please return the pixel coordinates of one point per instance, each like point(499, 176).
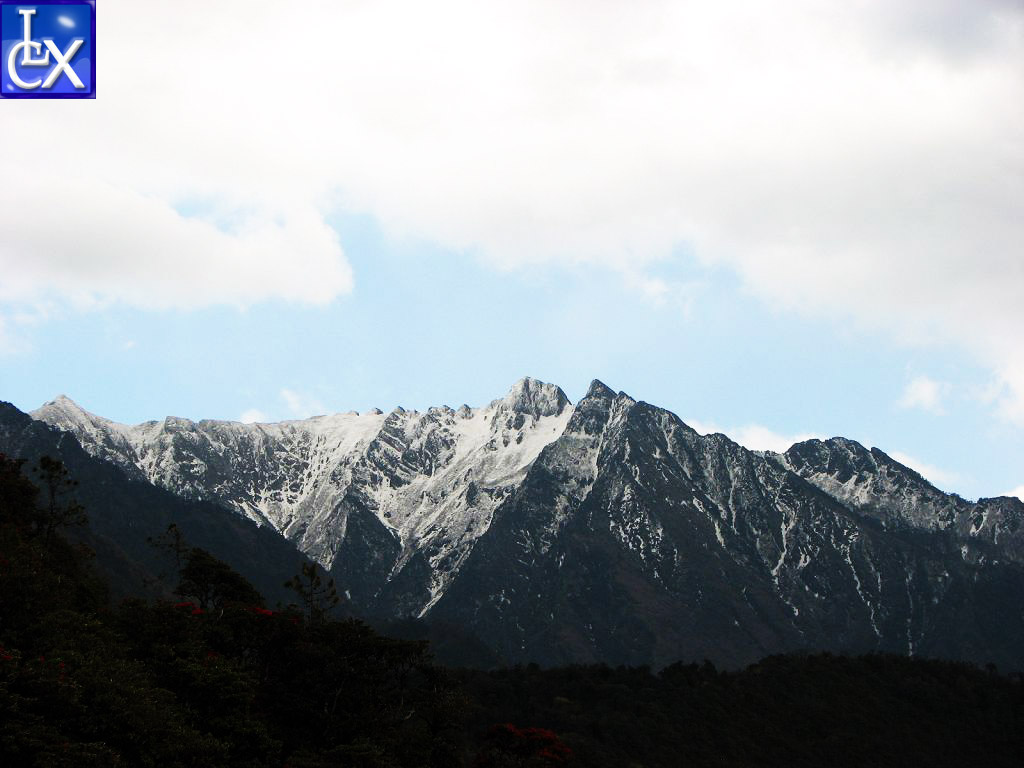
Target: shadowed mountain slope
point(123, 512)
point(606, 531)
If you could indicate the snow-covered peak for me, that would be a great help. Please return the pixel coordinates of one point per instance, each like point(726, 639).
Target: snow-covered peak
point(64, 413)
point(427, 482)
point(395, 504)
point(62, 407)
point(101, 437)
point(534, 398)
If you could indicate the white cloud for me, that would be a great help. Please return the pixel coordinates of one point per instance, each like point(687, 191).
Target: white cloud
point(1018, 492)
point(678, 295)
point(756, 437)
point(294, 405)
point(253, 416)
point(924, 393)
point(95, 243)
point(939, 477)
point(300, 405)
point(856, 159)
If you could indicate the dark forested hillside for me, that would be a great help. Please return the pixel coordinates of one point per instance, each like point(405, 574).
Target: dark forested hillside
point(212, 676)
point(125, 513)
point(792, 711)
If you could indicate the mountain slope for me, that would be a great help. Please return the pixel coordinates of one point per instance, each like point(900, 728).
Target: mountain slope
point(634, 539)
point(879, 486)
point(123, 512)
point(607, 531)
point(391, 503)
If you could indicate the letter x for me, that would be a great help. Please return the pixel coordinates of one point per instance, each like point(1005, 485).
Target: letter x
point(63, 60)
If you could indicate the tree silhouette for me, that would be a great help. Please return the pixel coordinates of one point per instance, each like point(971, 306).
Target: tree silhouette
point(59, 510)
point(212, 583)
point(173, 542)
point(318, 598)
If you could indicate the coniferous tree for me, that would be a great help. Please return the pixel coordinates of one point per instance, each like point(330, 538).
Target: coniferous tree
point(60, 509)
point(318, 599)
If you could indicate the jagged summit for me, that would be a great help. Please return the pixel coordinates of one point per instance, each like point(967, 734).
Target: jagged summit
point(281, 473)
point(872, 481)
point(64, 412)
point(528, 396)
point(535, 398)
point(844, 458)
point(599, 389)
point(60, 404)
point(420, 484)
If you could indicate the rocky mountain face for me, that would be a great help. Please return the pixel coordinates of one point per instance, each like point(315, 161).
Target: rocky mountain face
point(609, 531)
point(125, 513)
point(877, 486)
point(391, 503)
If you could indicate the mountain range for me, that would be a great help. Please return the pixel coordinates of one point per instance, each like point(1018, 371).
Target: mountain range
point(607, 530)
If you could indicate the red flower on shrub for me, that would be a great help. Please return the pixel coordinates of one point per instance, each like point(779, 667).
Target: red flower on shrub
point(529, 746)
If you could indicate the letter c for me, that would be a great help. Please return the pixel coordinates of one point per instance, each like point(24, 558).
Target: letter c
point(12, 67)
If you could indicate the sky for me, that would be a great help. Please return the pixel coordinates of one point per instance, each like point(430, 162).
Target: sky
point(780, 221)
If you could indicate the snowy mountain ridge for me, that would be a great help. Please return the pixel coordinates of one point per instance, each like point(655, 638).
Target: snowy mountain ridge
point(431, 479)
point(609, 530)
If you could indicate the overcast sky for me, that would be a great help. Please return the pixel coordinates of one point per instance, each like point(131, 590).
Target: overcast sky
point(778, 220)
